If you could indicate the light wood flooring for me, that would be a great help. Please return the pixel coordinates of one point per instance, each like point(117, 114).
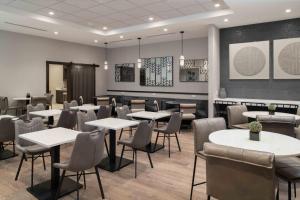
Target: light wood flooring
point(170, 179)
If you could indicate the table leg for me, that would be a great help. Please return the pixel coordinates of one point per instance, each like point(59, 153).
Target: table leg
point(50, 120)
point(111, 163)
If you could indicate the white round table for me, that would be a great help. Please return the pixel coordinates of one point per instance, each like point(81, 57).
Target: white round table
point(253, 114)
point(278, 144)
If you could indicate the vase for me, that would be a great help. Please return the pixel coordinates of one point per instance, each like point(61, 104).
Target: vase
point(254, 136)
point(222, 93)
point(271, 112)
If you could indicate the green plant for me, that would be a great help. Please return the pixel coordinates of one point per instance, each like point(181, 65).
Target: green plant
point(255, 127)
point(272, 107)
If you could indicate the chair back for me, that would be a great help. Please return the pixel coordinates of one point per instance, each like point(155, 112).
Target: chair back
point(49, 98)
point(67, 105)
point(21, 127)
point(156, 105)
point(39, 100)
point(32, 108)
point(235, 115)
point(7, 130)
point(234, 173)
point(104, 112)
point(174, 123)
point(81, 102)
point(114, 102)
point(188, 108)
point(87, 152)
point(143, 134)
point(67, 119)
point(202, 128)
point(123, 111)
point(103, 101)
point(82, 117)
point(278, 124)
point(3, 105)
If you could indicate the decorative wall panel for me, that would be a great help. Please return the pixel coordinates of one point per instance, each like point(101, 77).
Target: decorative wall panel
point(287, 58)
point(194, 70)
point(157, 71)
point(249, 60)
point(124, 72)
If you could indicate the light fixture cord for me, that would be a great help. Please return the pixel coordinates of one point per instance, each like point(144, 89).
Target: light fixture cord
point(139, 47)
point(105, 51)
point(181, 42)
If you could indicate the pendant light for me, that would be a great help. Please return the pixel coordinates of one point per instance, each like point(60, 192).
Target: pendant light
point(181, 58)
point(105, 61)
point(139, 60)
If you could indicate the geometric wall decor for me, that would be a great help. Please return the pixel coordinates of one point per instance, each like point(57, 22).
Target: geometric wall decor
point(194, 70)
point(249, 60)
point(287, 58)
point(157, 71)
point(124, 72)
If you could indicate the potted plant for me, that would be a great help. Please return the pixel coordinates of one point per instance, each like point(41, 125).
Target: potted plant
point(271, 109)
point(255, 128)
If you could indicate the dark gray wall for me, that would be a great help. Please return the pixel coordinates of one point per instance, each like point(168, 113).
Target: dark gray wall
point(261, 89)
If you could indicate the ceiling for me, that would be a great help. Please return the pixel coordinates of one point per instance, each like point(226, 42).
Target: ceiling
point(82, 21)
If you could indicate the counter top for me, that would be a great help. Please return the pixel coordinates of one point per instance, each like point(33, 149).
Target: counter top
point(266, 101)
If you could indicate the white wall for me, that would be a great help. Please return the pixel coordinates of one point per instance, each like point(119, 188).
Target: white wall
point(193, 48)
point(23, 62)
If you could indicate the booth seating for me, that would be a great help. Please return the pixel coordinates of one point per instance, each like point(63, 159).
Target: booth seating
point(137, 105)
point(103, 101)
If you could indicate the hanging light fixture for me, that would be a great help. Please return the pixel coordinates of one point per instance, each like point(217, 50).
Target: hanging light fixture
point(181, 58)
point(105, 62)
point(139, 60)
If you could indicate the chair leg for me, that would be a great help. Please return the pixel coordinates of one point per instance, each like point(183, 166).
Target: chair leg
point(169, 143)
point(208, 197)
point(193, 179)
point(20, 165)
point(32, 167)
point(84, 181)
point(295, 191)
point(106, 147)
point(122, 153)
point(121, 134)
point(149, 157)
point(156, 140)
point(178, 142)
point(99, 183)
point(44, 161)
point(164, 139)
point(277, 193)
point(77, 190)
point(60, 184)
point(14, 148)
point(289, 191)
point(135, 163)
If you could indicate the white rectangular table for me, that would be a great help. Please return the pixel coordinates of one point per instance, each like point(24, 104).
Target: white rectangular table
point(85, 107)
point(111, 163)
point(21, 98)
point(8, 116)
point(47, 114)
point(151, 116)
point(52, 138)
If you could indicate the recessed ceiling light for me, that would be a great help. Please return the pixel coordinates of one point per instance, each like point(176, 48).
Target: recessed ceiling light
point(121, 36)
point(217, 5)
point(55, 33)
point(150, 18)
point(104, 28)
point(165, 29)
point(226, 20)
point(288, 10)
point(51, 13)
point(96, 41)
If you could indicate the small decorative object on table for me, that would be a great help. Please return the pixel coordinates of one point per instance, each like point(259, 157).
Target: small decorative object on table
point(255, 128)
point(271, 109)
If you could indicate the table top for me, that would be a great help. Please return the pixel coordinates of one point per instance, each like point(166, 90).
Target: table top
point(112, 123)
point(21, 98)
point(149, 115)
point(46, 113)
point(280, 145)
point(51, 137)
point(8, 116)
point(253, 114)
point(85, 107)
point(266, 101)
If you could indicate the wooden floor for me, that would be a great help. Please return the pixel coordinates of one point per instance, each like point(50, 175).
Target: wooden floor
point(169, 179)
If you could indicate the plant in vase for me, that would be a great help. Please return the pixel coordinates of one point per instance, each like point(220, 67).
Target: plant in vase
point(255, 128)
point(271, 109)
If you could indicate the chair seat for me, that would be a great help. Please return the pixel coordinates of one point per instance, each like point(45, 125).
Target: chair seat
point(241, 126)
point(126, 141)
point(63, 165)
point(34, 149)
point(188, 116)
point(288, 168)
point(201, 154)
point(161, 129)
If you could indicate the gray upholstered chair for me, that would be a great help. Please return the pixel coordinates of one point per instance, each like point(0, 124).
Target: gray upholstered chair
point(137, 105)
point(170, 130)
point(39, 100)
point(202, 128)
point(67, 119)
point(234, 173)
point(188, 111)
point(67, 105)
point(236, 119)
point(139, 140)
point(114, 102)
point(31, 108)
point(90, 144)
point(104, 112)
point(5, 107)
point(83, 117)
point(7, 134)
point(27, 148)
point(156, 105)
point(279, 124)
point(103, 101)
point(49, 98)
point(122, 113)
point(81, 102)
